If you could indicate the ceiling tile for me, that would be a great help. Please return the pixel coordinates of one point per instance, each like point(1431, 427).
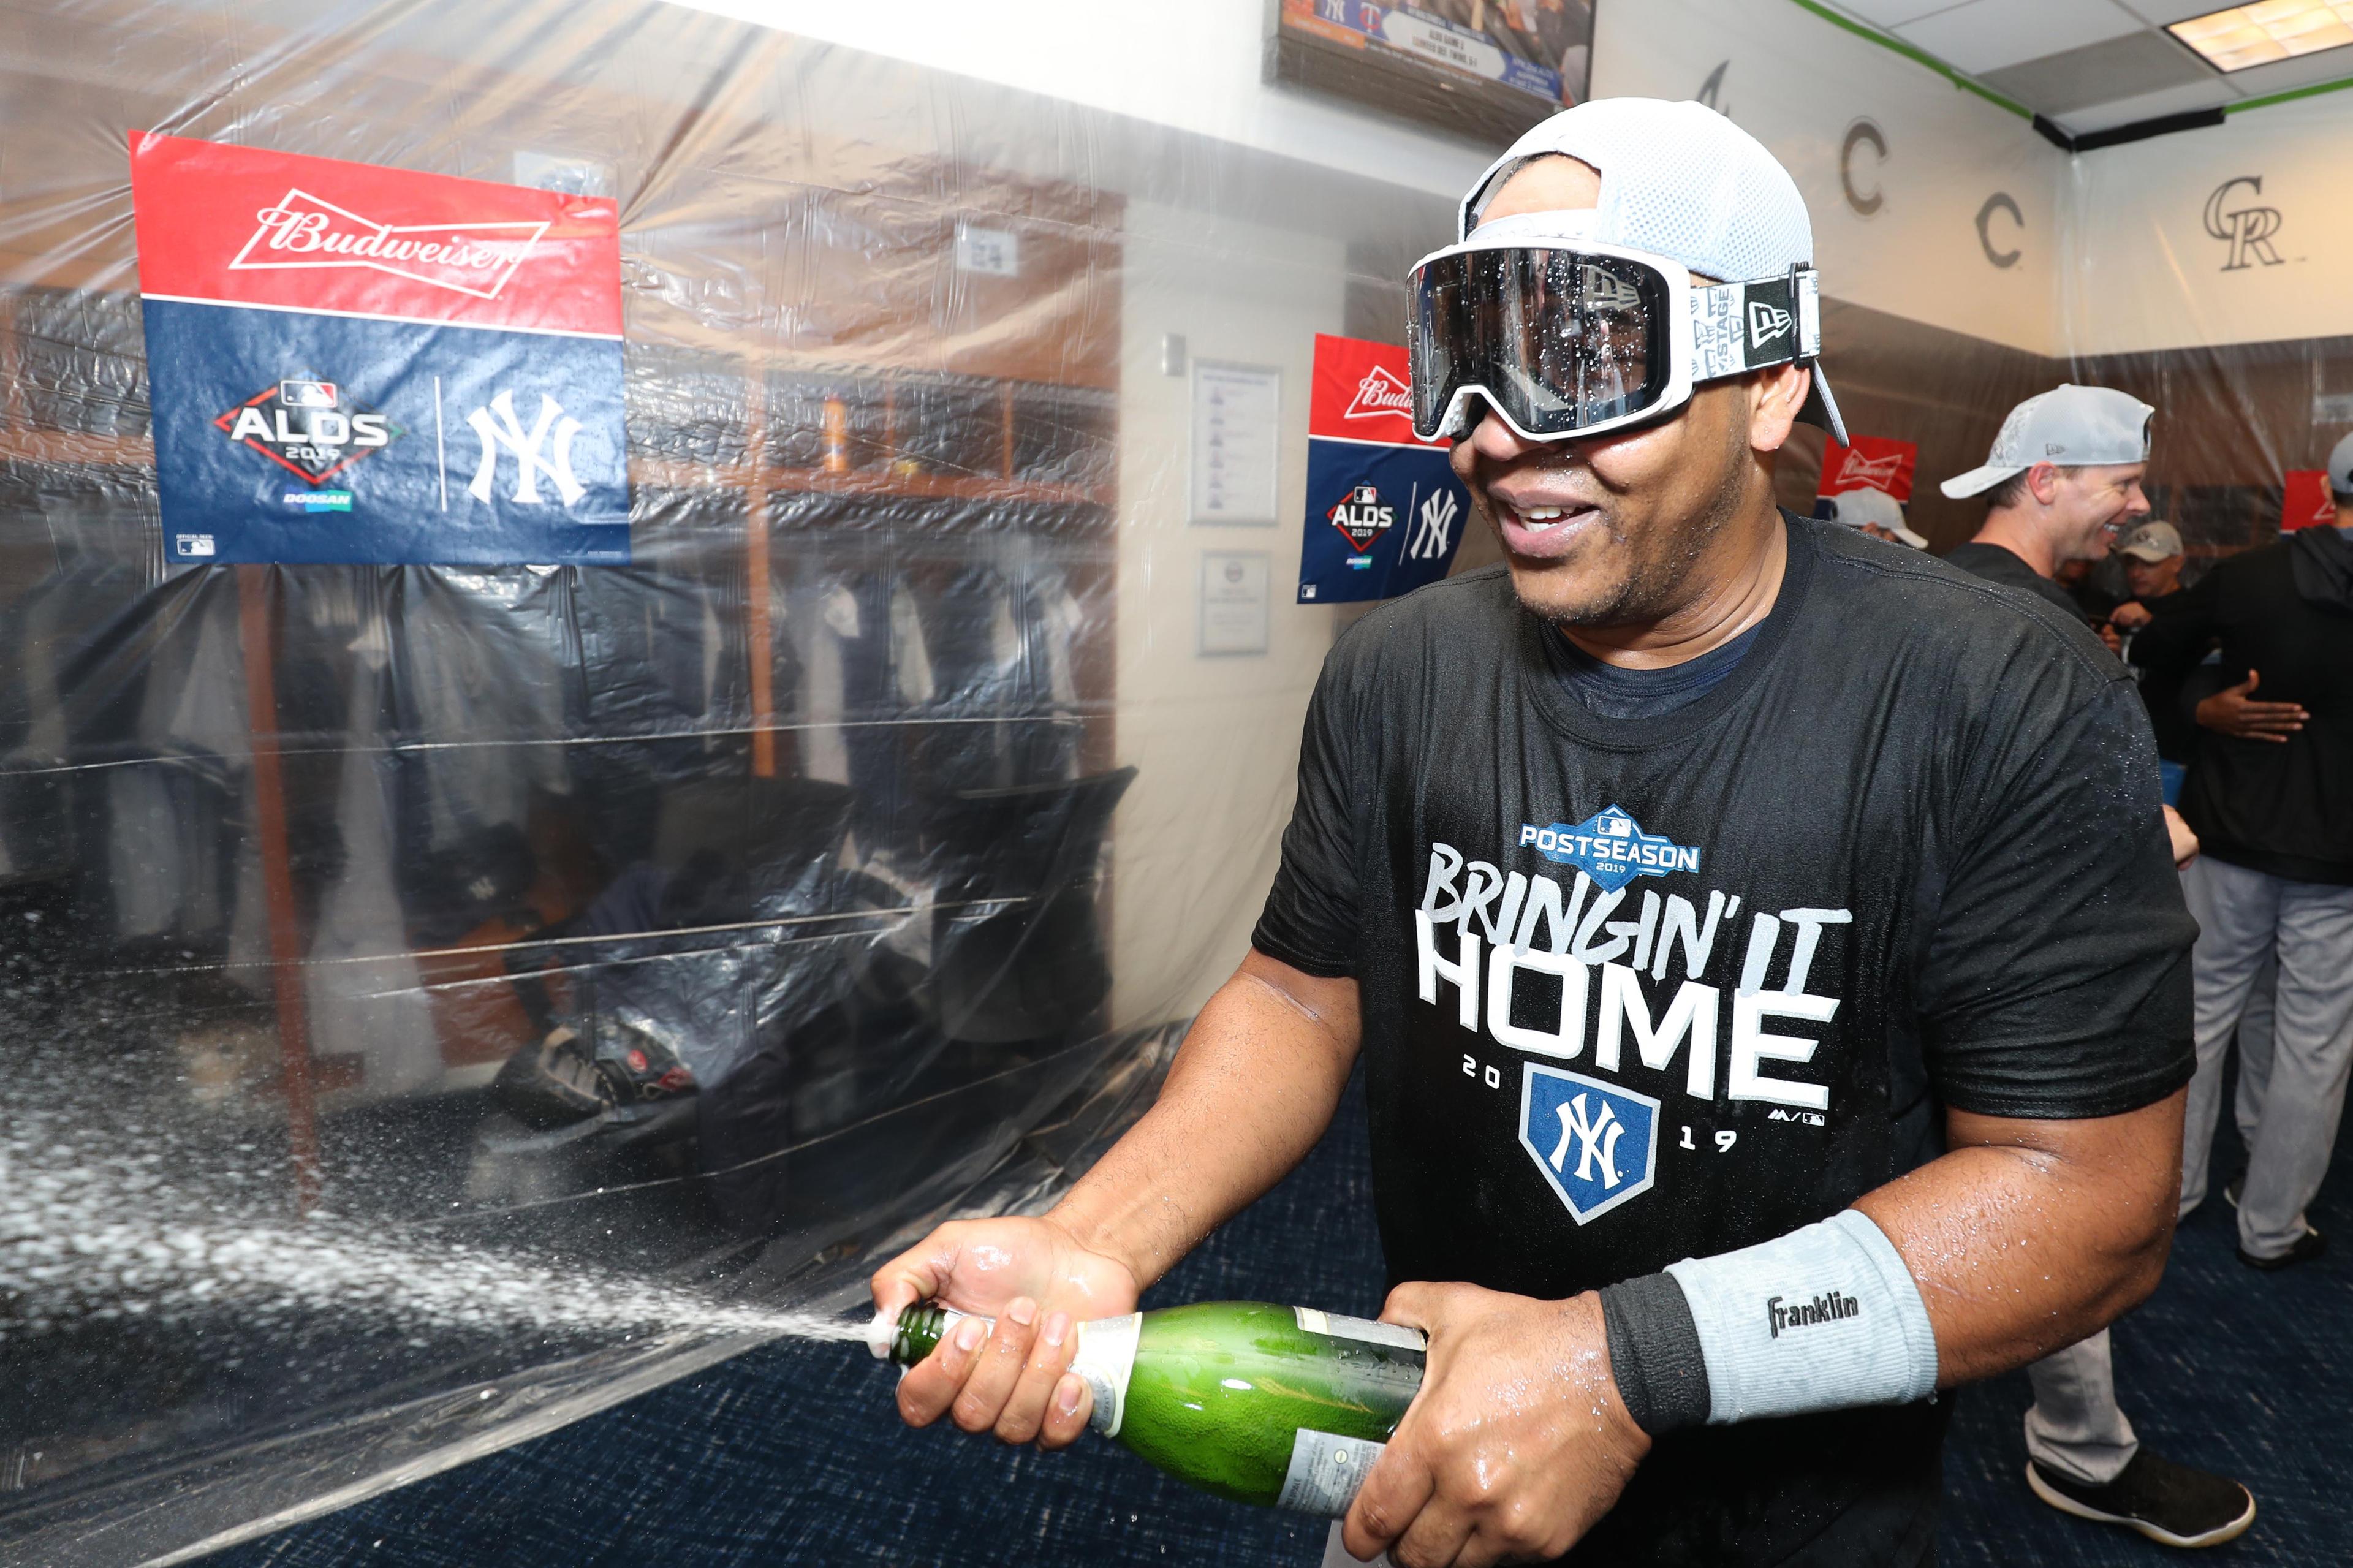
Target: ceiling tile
point(2097, 73)
point(2328, 65)
point(2212, 94)
point(1986, 35)
point(1892, 13)
point(2160, 12)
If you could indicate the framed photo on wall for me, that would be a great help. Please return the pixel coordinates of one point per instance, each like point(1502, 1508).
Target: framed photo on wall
point(1487, 69)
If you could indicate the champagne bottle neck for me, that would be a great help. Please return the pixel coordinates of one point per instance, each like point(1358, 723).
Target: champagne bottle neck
point(1104, 1355)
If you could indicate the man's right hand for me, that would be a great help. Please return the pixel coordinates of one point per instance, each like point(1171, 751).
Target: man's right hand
point(1035, 1278)
point(2233, 711)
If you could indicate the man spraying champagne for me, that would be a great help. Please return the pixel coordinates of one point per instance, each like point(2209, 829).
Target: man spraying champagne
point(1708, 892)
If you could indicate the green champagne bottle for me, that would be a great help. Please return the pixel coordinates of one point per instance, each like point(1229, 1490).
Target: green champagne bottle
point(1284, 1405)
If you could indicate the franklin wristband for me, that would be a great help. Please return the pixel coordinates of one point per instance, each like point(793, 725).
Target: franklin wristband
point(1824, 1318)
point(1655, 1357)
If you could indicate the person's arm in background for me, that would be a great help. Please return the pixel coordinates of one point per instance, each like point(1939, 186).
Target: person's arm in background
point(1251, 1090)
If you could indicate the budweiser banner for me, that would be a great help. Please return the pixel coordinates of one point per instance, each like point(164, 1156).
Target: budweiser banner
point(1874, 462)
point(1384, 511)
point(353, 364)
point(2307, 503)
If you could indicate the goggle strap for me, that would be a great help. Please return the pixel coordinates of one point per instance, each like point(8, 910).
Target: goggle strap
point(1739, 327)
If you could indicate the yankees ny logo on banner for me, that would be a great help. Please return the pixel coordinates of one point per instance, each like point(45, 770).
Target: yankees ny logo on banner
point(2246, 230)
point(496, 425)
point(1596, 1143)
point(1433, 527)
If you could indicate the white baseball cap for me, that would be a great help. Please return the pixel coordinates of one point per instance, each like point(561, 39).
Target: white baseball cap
point(2340, 467)
point(1855, 508)
point(2152, 542)
point(2069, 424)
point(1678, 181)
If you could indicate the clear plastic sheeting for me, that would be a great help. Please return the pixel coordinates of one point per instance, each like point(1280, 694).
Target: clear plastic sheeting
point(444, 1001)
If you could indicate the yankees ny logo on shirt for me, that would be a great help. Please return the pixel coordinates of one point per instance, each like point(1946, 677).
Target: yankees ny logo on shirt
point(1596, 1143)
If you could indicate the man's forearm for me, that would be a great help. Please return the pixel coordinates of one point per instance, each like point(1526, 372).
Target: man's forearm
point(1251, 1090)
point(2028, 1236)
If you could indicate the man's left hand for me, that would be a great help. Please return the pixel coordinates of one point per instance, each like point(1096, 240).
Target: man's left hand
point(1516, 1444)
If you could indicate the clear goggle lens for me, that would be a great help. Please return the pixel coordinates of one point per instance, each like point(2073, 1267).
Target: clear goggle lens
point(1561, 340)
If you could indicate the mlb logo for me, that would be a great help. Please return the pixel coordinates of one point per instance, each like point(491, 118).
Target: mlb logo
point(307, 394)
point(1596, 1143)
point(1616, 826)
point(194, 545)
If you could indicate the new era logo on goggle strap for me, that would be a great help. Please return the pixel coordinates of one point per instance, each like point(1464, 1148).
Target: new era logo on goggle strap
point(1739, 327)
point(307, 231)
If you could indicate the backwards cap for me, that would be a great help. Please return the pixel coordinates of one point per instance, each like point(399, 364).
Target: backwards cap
point(1680, 181)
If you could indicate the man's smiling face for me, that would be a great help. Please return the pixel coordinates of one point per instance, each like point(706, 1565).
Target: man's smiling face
point(1603, 532)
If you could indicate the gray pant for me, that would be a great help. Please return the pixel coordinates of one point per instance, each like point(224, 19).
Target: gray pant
point(2245, 918)
point(2074, 1426)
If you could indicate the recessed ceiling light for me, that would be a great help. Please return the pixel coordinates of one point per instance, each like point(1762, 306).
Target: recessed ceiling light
point(2241, 36)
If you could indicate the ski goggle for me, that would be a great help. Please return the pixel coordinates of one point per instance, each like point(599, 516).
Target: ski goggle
point(1565, 337)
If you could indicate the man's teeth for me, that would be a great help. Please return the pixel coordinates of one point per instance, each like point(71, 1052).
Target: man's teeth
point(1541, 516)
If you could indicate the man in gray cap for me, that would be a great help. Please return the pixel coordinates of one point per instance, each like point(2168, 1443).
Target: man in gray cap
point(2152, 556)
point(2064, 478)
point(1701, 889)
point(1876, 513)
point(2267, 797)
point(2062, 483)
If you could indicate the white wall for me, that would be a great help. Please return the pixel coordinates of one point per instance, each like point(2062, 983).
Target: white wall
point(1215, 739)
point(2149, 274)
point(1192, 66)
point(1799, 84)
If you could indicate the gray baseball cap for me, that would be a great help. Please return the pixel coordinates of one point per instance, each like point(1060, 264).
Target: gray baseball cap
point(1678, 180)
point(1856, 508)
point(2340, 467)
point(2069, 425)
point(2152, 542)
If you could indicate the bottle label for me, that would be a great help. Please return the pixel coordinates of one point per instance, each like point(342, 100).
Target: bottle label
point(1105, 1357)
point(1395, 1336)
point(1326, 1469)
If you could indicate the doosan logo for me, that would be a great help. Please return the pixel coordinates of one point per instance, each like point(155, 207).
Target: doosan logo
point(1379, 396)
point(307, 231)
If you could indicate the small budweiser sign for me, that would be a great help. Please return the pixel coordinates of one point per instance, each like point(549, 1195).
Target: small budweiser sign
point(1873, 462)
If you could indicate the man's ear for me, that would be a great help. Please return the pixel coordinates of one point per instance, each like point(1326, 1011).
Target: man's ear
point(1776, 394)
point(2043, 482)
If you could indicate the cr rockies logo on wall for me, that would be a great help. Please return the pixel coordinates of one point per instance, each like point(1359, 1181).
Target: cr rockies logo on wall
point(1384, 511)
point(353, 364)
point(2245, 227)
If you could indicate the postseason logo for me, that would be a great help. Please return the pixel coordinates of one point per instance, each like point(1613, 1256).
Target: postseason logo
point(1610, 847)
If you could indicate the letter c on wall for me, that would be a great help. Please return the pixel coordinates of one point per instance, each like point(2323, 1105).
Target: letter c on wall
point(1861, 130)
point(1998, 202)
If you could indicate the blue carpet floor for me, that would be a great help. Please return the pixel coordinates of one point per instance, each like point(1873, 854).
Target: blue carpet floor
point(792, 1455)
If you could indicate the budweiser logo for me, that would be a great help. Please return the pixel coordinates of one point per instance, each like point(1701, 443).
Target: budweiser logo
point(305, 231)
point(1380, 394)
point(1879, 473)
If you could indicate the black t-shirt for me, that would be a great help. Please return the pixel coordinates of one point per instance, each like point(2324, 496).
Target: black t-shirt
point(2007, 567)
point(1907, 854)
point(2268, 806)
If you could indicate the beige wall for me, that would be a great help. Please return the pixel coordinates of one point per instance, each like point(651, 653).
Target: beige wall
point(1215, 739)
